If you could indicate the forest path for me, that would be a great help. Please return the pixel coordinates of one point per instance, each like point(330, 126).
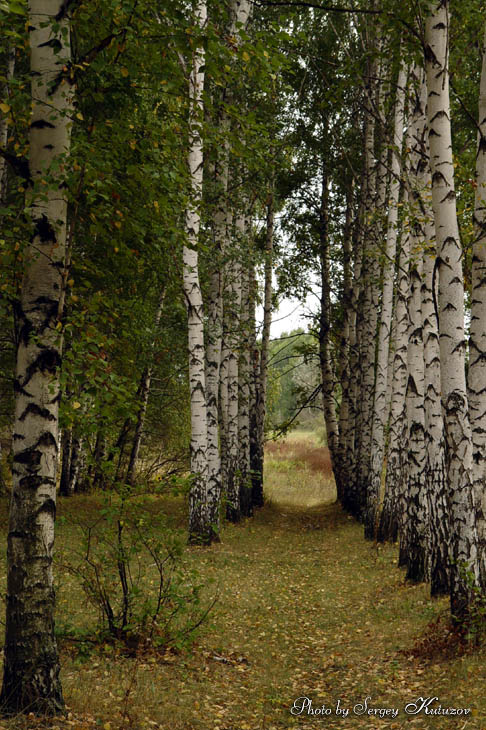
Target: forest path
point(306, 608)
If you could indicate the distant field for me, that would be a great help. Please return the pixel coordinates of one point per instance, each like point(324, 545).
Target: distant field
point(298, 472)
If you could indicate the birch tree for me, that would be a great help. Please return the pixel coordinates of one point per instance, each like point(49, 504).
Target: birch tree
point(239, 15)
point(379, 407)
point(327, 374)
point(464, 539)
point(200, 528)
point(31, 665)
point(233, 507)
point(261, 362)
point(477, 341)
point(389, 522)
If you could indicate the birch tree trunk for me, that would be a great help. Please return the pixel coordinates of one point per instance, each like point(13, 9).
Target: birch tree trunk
point(244, 374)
point(379, 405)
point(477, 342)
point(388, 525)
point(434, 424)
point(414, 538)
point(345, 347)
point(239, 15)
point(414, 532)
point(262, 363)
point(367, 324)
point(435, 475)
point(464, 539)
point(327, 373)
point(200, 528)
point(233, 509)
point(31, 665)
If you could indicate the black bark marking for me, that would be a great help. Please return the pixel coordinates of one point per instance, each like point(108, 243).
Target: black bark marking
point(49, 360)
point(47, 439)
point(48, 506)
point(30, 457)
point(19, 389)
point(64, 9)
point(34, 481)
point(35, 410)
point(53, 43)
point(451, 195)
point(42, 124)
point(44, 230)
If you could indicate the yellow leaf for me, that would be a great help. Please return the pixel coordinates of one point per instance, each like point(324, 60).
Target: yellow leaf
point(79, 116)
point(245, 56)
point(132, 144)
point(5, 108)
point(70, 282)
point(76, 405)
point(118, 224)
point(124, 72)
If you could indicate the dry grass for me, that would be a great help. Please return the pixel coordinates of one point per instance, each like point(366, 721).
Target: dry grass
point(298, 472)
point(306, 607)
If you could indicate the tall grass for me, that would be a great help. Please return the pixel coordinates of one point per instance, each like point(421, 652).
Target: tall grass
point(298, 473)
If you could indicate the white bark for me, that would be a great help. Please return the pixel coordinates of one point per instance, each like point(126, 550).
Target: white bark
point(464, 541)
point(366, 323)
point(435, 476)
point(233, 510)
point(31, 667)
point(200, 528)
point(349, 497)
point(239, 16)
point(389, 518)
point(477, 342)
point(414, 538)
point(327, 372)
point(379, 405)
point(343, 476)
point(244, 375)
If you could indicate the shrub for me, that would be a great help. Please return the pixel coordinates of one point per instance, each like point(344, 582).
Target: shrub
point(132, 571)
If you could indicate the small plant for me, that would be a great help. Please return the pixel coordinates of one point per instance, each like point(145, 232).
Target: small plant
point(132, 571)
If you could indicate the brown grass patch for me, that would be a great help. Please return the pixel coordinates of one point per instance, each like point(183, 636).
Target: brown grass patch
point(298, 473)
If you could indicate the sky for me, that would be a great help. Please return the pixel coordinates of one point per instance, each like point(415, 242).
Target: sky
point(291, 313)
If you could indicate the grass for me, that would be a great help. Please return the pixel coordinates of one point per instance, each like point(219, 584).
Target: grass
point(306, 608)
point(298, 472)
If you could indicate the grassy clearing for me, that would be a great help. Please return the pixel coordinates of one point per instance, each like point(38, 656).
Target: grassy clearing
point(298, 472)
point(306, 607)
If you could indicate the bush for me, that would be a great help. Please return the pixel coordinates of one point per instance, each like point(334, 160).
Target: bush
point(132, 572)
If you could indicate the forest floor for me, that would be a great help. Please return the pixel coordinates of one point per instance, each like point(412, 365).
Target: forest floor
point(306, 608)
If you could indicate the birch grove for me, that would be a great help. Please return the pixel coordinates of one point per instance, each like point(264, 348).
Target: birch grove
point(246, 155)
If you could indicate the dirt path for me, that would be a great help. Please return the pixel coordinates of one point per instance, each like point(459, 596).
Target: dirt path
point(306, 609)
